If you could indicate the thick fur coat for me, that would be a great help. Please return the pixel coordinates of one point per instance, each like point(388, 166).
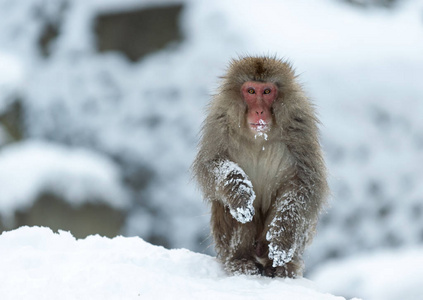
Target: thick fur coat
point(266, 190)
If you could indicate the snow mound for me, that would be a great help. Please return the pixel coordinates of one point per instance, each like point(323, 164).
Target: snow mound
point(40, 264)
point(382, 275)
point(32, 167)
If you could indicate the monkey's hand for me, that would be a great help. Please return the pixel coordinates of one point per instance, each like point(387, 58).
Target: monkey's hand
point(284, 233)
point(281, 256)
point(241, 206)
point(236, 189)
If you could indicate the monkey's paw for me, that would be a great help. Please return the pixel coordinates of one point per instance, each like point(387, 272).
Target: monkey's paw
point(279, 256)
point(242, 267)
point(236, 190)
point(243, 214)
point(241, 203)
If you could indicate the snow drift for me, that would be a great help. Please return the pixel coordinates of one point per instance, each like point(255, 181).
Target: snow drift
point(39, 264)
point(382, 275)
point(79, 175)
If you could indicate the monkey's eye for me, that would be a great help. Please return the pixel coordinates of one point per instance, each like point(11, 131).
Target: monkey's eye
point(266, 91)
point(251, 91)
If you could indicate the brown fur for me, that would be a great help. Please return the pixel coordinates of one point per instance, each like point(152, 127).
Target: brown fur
point(286, 170)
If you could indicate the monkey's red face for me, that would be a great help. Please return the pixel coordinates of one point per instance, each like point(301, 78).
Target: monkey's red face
point(259, 97)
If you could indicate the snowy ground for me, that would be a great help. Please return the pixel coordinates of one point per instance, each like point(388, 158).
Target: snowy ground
point(383, 275)
point(39, 264)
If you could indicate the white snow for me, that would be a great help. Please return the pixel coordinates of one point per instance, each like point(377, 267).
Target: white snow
point(261, 134)
point(280, 256)
point(31, 167)
point(11, 77)
point(243, 214)
point(11, 70)
point(261, 128)
point(381, 275)
point(39, 264)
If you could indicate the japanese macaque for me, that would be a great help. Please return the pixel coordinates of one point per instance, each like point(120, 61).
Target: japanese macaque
point(261, 168)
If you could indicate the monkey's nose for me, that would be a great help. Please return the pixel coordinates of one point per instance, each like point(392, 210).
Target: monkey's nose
point(259, 113)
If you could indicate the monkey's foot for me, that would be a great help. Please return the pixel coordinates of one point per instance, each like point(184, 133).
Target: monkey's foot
point(289, 270)
point(292, 269)
point(242, 267)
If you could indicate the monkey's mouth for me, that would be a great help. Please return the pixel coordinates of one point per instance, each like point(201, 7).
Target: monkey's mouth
point(261, 126)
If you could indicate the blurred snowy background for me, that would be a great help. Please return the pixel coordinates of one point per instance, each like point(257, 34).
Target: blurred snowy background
point(101, 102)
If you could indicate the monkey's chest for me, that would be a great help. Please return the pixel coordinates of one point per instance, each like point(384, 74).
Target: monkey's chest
point(267, 169)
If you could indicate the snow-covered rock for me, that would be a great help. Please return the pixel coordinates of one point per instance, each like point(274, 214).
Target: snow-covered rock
point(32, 167)
point(39, 264)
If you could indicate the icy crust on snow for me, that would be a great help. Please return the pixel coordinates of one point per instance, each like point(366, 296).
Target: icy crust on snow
point(41, 264)
point(229, 173)
point(32, 167)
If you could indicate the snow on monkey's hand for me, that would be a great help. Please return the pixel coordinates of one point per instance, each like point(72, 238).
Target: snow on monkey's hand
point(243, 213)
point(237, 190)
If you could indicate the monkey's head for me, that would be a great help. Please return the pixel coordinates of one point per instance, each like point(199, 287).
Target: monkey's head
point(255, 87)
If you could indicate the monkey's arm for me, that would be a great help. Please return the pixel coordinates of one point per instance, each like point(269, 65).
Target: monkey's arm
point(300, 200)
point(235, 190)
point(223, 180)
point(293, 224)
point(219, 177)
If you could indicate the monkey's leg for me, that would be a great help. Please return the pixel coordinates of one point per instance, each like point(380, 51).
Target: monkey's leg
point(234, 242)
